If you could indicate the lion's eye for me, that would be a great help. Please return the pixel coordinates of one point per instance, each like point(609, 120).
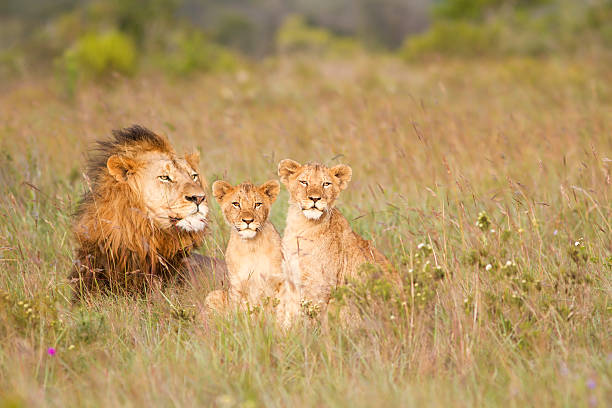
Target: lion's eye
point(257, 205)
point(304, 183)
point(195, 176)
point(326, 184)
point(236, 204)
point(165, 179)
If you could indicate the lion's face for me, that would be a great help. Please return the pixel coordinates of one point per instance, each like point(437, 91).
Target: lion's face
point(246, 207)
point(170, 188)
point(313, 187)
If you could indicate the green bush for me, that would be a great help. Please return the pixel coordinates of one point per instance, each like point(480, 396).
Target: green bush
point(454, 38)
point(470, 28)
point(190, 52)
point(478, 9)
point(295, 35)
point(101, 54)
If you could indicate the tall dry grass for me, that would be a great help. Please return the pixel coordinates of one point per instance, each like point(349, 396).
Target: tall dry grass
point(487, 183)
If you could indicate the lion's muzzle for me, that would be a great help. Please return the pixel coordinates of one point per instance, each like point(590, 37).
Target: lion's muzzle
point(247, 228)
point(313, 208)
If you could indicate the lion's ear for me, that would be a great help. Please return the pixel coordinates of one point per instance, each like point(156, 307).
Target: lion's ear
point(193, 159)
point(271, 189)
point(120, 167)
point(287, 168)
point(220, 189)
point(343, 173)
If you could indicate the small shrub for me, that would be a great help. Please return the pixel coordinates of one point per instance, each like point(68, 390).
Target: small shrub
point(192, 52)
point(454, 38)
point(468, 28)
point(477, 9)
point(101, 54)
point(295, 35)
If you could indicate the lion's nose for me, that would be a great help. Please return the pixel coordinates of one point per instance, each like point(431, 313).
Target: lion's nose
point(315, 199)
point(247, 221)
point(197, 199)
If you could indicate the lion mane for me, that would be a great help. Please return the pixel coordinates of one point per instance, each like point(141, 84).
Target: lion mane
point(119, 247)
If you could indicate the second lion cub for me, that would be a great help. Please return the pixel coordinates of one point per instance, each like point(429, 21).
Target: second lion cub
point(253, 255)
point(320, 246)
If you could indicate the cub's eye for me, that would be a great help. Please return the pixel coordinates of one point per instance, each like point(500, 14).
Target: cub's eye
point(195, 176)
point(165, 179)
point(304, 183)
point(236, 204)
point(326, 184)
point(257, 205)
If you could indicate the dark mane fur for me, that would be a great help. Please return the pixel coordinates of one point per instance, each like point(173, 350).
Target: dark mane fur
point(124, 141)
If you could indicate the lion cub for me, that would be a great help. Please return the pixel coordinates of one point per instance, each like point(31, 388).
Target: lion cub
point(320, 247)
point(253, 255)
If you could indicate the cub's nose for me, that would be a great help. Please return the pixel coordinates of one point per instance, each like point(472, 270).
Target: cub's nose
point(196, 199)
point(247, 221)
point(315, 199)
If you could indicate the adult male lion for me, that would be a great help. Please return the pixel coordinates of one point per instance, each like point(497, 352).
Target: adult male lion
point(144, 211)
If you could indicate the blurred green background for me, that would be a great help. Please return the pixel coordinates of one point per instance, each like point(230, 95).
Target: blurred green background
point(79, 40)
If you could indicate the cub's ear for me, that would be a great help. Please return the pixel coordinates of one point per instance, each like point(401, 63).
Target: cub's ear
point(271, 189)
point(193, 159)
point(220, 189)
point(286, 168)
point(120, 167)
point(343, 173)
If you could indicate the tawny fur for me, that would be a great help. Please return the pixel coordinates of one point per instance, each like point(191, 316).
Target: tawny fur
point(121, 245)
point(253, 255)
point(321, 249)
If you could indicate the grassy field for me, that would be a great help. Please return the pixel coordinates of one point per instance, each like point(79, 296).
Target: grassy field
point(487, 183)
